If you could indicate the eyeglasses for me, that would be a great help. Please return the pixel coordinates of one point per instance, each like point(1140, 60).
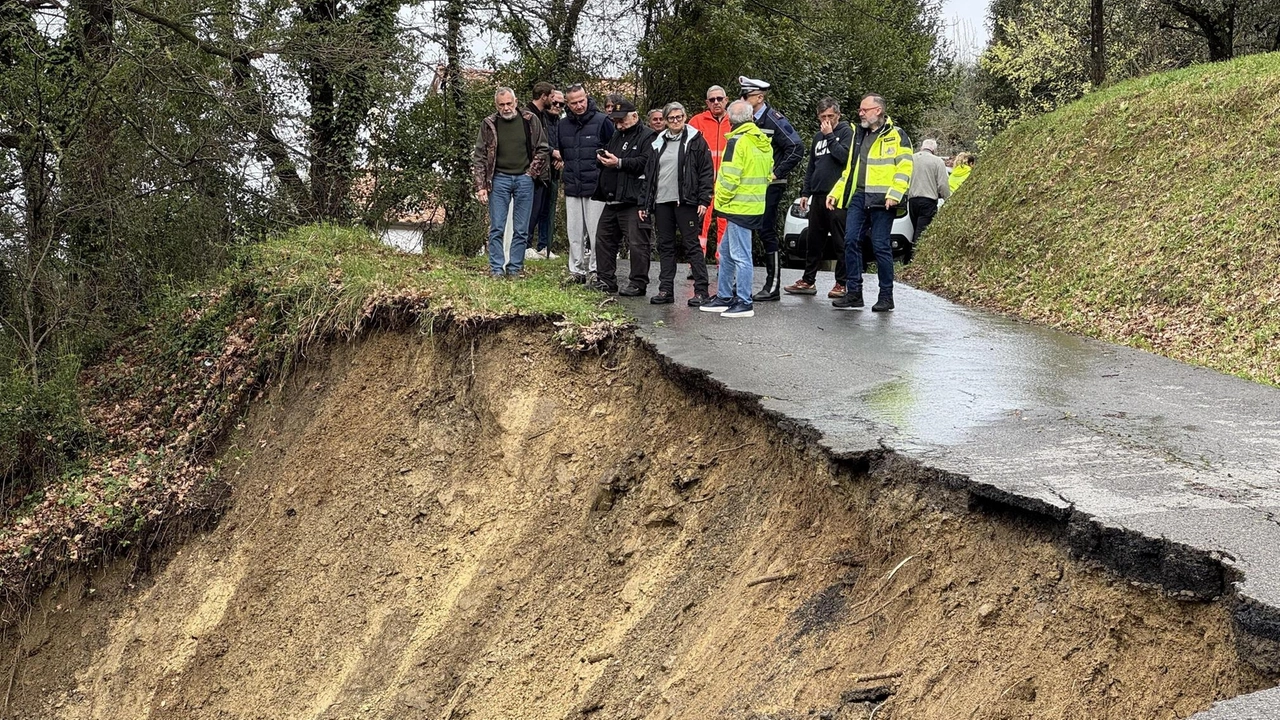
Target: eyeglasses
point(674, 118)
point(717, 99)
point(557, 104)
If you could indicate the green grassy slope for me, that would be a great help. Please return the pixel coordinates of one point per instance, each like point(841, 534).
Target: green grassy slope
point(1147, 214)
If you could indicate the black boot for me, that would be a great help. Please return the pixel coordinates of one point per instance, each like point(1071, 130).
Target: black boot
point(772, 289)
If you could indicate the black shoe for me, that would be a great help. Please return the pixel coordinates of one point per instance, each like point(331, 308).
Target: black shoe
point(578, 279)
point(631, 291)
point(662, 298)
point(883, 304)
point(852, 300)
point(766, 294)
point(699, 300)
point(606, 289)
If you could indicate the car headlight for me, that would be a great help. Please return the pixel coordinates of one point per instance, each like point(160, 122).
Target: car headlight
point(796, 211)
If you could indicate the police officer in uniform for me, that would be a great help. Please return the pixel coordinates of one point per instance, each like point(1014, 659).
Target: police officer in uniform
point(788, 151)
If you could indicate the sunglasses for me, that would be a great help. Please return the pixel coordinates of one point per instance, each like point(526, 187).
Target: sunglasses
point(557, 104)
point(717, 99)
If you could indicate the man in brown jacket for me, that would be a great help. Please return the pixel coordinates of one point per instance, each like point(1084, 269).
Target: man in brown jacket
point(510, 152)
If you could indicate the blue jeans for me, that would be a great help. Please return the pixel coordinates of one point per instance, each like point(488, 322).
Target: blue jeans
point(735, 263)
point(857, 220)
point(509, 189)
point(542, 220)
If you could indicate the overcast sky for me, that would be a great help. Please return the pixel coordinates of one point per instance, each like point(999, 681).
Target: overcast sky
point(967, 21)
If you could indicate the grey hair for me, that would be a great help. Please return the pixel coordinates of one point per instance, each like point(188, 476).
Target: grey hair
point(828, 103)
point(740, 111)
point(673, 106)
point(877, 99)
point(576, 87)
point(715, 87)
point(503, 91)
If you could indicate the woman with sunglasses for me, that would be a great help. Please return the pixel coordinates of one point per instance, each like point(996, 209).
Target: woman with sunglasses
point(679, 195)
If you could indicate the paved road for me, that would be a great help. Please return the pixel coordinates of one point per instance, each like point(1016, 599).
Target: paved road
point(1167, 472)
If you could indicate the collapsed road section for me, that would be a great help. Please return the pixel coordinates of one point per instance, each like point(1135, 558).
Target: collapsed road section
point(480, 525)
point(1164, 472)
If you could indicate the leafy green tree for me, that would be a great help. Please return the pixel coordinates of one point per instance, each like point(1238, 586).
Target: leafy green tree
point(807, 49)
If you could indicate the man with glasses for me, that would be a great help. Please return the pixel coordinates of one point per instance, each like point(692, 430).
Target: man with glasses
point(788, 151)
point(713, 125)
point(875, 181)
point(545, 190)
point(680, 179)
point(583, 133)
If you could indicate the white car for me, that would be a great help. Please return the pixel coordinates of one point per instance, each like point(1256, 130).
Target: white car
point(795, 239)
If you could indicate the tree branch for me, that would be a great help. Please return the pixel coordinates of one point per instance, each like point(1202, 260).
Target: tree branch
point(239, 55)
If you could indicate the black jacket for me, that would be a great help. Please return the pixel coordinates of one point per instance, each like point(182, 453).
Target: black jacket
point(627, 183)
point(827, 158)
point(694, 171)
point(550, 124)
point(579, 137)
point(788, 149)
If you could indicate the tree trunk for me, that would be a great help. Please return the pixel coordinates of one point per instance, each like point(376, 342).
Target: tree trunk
point(1097, 47)
point(459, 163)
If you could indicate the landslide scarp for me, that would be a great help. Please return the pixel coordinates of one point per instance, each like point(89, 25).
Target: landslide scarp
point(480, 525)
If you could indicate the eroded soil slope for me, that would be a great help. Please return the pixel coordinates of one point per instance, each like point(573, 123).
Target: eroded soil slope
point(481, 527)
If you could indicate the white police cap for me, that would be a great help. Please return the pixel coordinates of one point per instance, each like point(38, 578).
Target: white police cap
point(750, 85)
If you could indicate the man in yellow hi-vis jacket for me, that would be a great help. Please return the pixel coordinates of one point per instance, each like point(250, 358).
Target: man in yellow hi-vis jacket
point(874, 183)
point(741, 185)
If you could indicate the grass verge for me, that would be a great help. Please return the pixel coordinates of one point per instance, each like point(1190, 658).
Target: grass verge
point(1143, 214)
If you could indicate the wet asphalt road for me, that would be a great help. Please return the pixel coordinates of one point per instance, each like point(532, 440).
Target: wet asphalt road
point(1124, 445)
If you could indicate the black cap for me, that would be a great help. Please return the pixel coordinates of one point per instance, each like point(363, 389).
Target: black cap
point(622, 109)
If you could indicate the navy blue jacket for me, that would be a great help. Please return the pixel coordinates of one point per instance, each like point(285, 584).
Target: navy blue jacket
point(580, 137)
point(788, 149)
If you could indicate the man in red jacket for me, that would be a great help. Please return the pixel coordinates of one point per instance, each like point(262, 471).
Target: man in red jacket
point(713, 124)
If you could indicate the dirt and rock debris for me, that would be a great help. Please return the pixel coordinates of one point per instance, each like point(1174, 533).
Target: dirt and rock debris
point(459, 526)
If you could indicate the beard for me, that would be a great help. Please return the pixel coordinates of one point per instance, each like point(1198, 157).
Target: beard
point(507, 115)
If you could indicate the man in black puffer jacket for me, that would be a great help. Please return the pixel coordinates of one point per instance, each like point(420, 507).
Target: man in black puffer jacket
point(623, 190)
point(582, 134)
point(680, 180)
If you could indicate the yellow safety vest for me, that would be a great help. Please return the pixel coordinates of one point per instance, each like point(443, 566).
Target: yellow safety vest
point(889, 166)
point(743, 179)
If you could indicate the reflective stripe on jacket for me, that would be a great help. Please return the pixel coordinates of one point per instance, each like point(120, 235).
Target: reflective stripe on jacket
point(743, 179)
point(888, 171)
point(714, 132)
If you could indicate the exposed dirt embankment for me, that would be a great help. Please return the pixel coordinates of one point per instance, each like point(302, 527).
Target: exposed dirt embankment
point(448, 527)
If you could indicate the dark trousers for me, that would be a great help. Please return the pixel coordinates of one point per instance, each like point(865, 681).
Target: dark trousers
point(922, 212)
point(543, 213)
point(772, 201)
point(619, 223)
point(825, 226)
point(667, 219)
point(858, 219)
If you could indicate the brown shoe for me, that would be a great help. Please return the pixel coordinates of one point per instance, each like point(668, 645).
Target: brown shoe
point(837, 291)
point(801, 288)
